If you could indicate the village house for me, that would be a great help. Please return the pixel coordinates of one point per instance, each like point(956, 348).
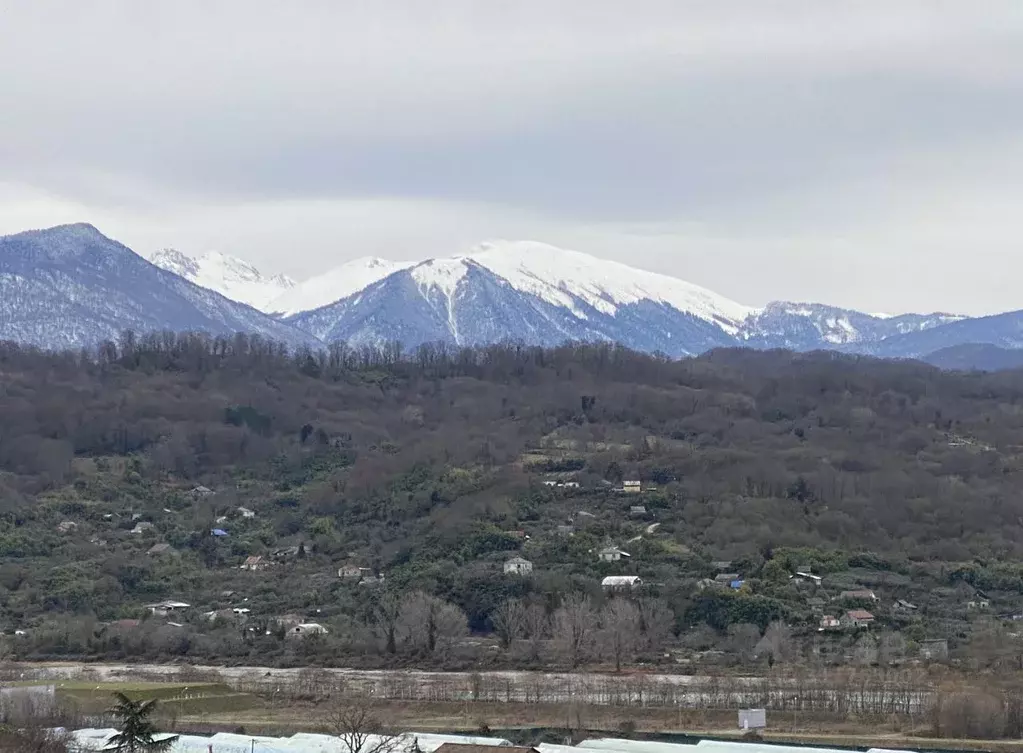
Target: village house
point(518, 566)
point(829, 622)
point(256, 563)
point(353, 572)
point(721, 566)
point(632, 487)
point(612, 554)
point(286, 553)
point(806, 576)
point(201, 492)
point(67, 526)
point(901, 605)
point(369, 580)
point(142, 526)
point(637, 511)
point(161, 548)
point(305, 629)
point(246, 512)
point(621, 582)
point(857, 619)
point(726, 579)
point(978, 604)
point(164, 608)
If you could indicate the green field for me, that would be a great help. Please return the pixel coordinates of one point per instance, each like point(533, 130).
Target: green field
point(176, 698)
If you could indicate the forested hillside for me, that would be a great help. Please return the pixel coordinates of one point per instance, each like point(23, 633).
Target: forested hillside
point(161, 467)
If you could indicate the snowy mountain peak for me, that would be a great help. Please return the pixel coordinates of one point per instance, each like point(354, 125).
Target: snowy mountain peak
point(224, 274)
point(335, 285)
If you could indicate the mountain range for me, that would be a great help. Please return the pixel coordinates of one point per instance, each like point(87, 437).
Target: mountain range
point(71, 286)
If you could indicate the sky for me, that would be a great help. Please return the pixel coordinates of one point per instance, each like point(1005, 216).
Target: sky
point(865, 154)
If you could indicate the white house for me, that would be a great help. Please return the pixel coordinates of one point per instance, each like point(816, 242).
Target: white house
point(165, 608)
point(246, 512)
point(307, 628)
point(621, 582)
point(632, 487)
point(518, 566)
point(612, 554)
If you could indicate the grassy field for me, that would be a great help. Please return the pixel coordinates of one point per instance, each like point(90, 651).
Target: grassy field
point(176, 699)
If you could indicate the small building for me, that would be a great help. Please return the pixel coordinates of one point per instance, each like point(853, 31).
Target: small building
point(934, 650)
point(978, 604)
point(721, 566)
point(571, 484)
point(902, 605)
point(352, 572)
point(829, 622)
point(816, 604)
point(726, 579)
point(612, 554)
point(621, 582)
point(218, 533)
point(286, 553)
point(256, 563)
point(637, 511)
point(370, 580)
point(518, 566)
point(164, 608)
point(142, 526)
point(632, 487)
point(201, 492)
point(857, 619)
point(737, 584)
point(161, 548)
point(246, 512)
point(306, 629)
point(67, 526)
point(861, 594)
point(805, 576)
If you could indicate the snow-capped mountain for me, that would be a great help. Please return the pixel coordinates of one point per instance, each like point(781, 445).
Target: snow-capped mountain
point(227, 275)
point(334, 285)
point(809, 326)
point(530, 292)
point(71, 286)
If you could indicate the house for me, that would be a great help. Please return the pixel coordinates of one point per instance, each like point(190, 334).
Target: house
point(167, 607)
point(67, 526)
point(142, 526)
point(621, 582)
point(805, 576)
point(307, 628)
point(571, 484)
point(632, 487)
point(518, 566)
point(161, 548)
point(726, 579)
point(218, 533)
point(201, 492)
point(816, 604)
point(858, 595)
point(721, 566)
point(737, 584)
point(612, 554)
point(979, 604)
point(246, 512)
point(857, 618)
point(902, 605)
point(829, 622)
point(255, 563)
point(368, 581)
point(286, 553)
point(637, 511)
point(934, 650)
point(353, 572)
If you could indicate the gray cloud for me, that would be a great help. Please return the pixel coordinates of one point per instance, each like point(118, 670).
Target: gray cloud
point(693, 138)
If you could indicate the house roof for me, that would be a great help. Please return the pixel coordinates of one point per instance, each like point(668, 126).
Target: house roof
point(620, 580)
point(518, 561)
point(859, 614)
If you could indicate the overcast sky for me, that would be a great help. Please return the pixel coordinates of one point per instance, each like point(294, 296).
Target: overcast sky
point(867, 154)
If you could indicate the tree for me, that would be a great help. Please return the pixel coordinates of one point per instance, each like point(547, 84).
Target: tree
point(510, 621)
point(138, 732)
point(619, 630)
point(574, 623)
point(358, 727)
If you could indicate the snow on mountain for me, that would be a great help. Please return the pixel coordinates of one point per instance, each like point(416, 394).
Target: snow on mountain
point(334, 285)
point(227, 275)
point(811, 326)
point(71, 286)
point(557, 275)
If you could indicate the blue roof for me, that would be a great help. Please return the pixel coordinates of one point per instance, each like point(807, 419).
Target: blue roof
point(737, 584)
point(219, 532)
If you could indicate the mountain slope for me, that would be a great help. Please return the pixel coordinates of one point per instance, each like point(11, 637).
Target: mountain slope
point(1002, 330)
point(545, 296)
point(231, 277)
point(71, 286)
point(975, 357)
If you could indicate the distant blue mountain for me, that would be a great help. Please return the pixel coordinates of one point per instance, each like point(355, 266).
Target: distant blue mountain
point(71, 286)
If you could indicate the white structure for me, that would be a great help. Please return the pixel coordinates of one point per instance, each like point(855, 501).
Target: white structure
point(246, 512)
point(518, 566)
point(621, 582)
point(632, 487)
point(307, 628)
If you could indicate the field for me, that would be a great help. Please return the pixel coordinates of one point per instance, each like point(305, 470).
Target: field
point(177, 700)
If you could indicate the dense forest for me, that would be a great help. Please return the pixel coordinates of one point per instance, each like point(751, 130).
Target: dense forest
point(380, 494)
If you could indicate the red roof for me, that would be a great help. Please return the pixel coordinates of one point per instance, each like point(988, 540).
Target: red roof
point(860, 614)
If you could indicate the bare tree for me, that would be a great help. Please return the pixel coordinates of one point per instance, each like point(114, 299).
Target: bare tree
point(385, 621)
point(657, 623)
point(427, 624)
point(510, 621)
point(359, 728)
point(574, 623)
point(537, 626)
point(777, 643)
point(619, 630)
point(743, 640)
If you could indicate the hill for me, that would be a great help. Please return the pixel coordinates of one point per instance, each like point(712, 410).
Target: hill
point(226, 494)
